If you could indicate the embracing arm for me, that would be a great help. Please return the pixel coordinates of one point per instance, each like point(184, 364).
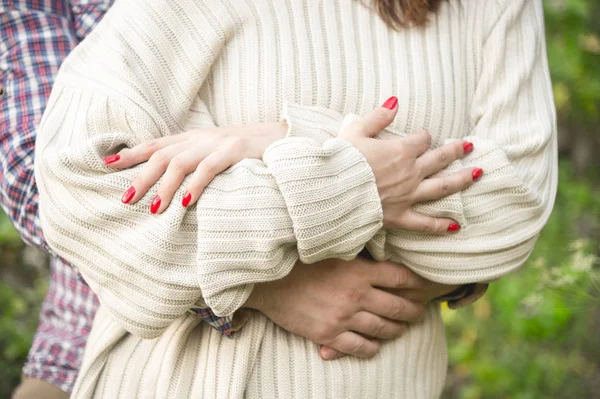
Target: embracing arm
point(116, 91)
point(514, 137)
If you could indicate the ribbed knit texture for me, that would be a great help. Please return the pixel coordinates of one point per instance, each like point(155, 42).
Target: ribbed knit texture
point(477, 71)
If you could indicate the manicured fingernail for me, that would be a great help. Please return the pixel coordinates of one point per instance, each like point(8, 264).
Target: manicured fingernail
point(477, 173)
point(155, 204)
point(128, 195)
point(468, 147)
point(391, 102)
point(454, 227)
point(111, 159)
point(187, 197)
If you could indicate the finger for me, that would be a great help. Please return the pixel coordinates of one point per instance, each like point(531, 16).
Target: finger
point(354, 344)
point(392, 275)
point(418, 141)
point(151, 172)
point(374, 122)
point(441, 187)
point(435, 160)
point(206, 171)
point(414, 221)
point(375, 326)
point(180, 166)
point(142, 152)
point(328, 353)
point(393, 307)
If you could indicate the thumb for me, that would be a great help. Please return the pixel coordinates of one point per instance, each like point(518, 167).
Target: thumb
point(372, 123)
point(328, 353)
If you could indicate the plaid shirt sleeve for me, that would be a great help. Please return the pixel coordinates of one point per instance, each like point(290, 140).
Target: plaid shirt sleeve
point(36, 36)
point(86, 14)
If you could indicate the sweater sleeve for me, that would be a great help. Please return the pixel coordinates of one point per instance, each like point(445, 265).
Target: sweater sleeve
point(117, 90)
point(514, 135)
point(313, 198)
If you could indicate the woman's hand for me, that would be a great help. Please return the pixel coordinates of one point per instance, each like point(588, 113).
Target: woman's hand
point(202, 152)
point(402, 168)
point(337, 303)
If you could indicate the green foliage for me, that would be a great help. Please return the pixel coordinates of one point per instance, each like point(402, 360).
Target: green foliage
point(534, 334)
point(573, 36)
point(21, 292)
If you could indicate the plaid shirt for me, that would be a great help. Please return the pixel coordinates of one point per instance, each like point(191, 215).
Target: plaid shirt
point(36, 36)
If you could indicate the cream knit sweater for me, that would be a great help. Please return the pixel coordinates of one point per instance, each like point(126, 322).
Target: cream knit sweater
point(477, 71)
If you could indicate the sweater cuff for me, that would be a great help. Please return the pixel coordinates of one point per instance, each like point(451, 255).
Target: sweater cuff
point(464, 295)
point(327, 184)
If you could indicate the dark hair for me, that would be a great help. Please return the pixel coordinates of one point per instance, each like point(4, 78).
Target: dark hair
point(401, 13)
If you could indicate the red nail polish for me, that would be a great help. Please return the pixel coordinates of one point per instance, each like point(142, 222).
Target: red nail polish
point(391, 103)
point(187, 197)
point(477, 173)
point(128, 195)
point(454, 227)
point(468, 147)
point(111, 159)
point(155, 204)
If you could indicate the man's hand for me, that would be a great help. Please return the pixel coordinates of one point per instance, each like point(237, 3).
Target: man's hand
point(423, 292)
point(338, 303)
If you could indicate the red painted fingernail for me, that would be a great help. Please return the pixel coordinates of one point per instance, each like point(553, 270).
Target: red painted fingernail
point(468, 147)
point(187, 197)
point(155, 204)
point(128, 195)
point(111, 159)
point(477, 173)
point(391, 102)
point(454, 227)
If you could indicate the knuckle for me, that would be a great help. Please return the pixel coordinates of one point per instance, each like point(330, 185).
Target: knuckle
point(177, 165)
point(150, 147)
point(428, 226)
point(233, 144)
point(356, 127)
point(397, 310)
point(444, 188)
point(467, 179)
point(339, 316)
point(323, 334)
point(379, 329)
point(358, 346)
point(160, 159)
point(426, 137)
point(209, 167)
point(401, 277)
point(443, 156)
point(399, 151)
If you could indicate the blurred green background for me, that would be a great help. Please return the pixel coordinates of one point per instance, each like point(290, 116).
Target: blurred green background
point(536, 334)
